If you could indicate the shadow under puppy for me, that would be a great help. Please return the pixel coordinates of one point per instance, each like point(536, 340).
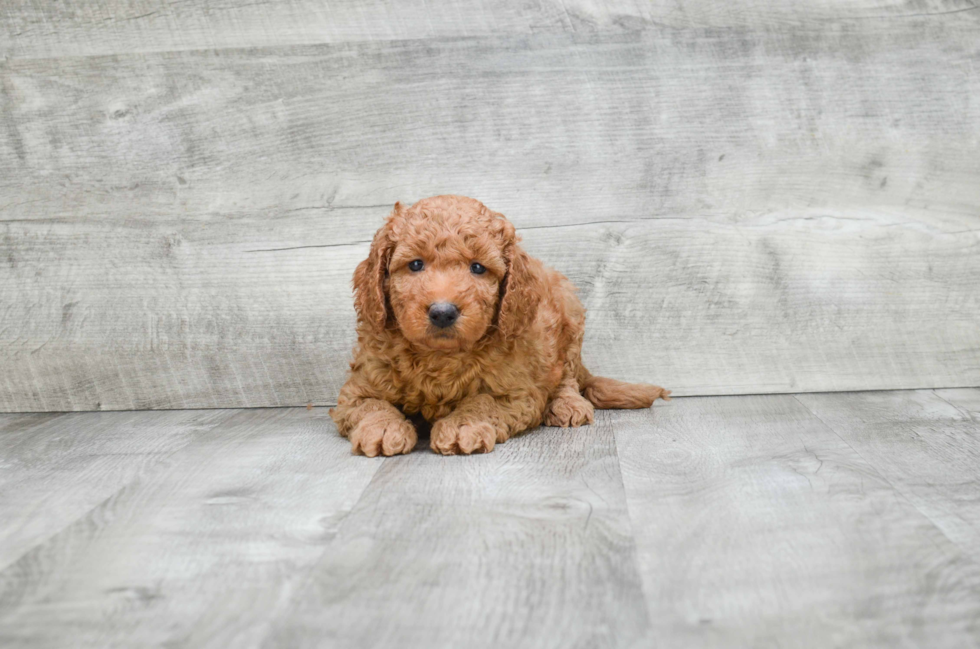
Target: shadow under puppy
point(456, 323)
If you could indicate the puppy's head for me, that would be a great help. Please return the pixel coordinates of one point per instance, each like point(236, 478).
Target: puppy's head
point(446, 272)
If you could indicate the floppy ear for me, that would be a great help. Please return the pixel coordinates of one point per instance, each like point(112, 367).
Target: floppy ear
point(520, 294)
point(369, 278)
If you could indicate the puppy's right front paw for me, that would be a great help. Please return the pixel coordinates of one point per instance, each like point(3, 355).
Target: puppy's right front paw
point(379, 433)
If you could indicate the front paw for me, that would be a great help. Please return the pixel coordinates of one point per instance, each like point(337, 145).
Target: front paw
point(379, 433)
point(450, 437)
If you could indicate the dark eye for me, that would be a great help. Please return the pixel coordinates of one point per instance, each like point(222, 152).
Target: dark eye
point(415, 265)
point(477, 268)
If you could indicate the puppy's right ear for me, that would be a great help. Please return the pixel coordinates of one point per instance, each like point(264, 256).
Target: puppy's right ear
point(369, 277)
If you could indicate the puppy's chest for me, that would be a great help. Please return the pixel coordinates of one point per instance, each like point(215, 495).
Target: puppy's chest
point(432, 382)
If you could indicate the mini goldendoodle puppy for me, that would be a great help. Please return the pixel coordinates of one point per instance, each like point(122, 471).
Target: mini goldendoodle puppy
point(457, 324)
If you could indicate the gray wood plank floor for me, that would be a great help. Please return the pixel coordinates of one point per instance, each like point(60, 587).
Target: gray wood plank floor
point(37, 29)
point(809, 520)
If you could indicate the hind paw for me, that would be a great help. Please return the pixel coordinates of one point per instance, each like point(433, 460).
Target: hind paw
point(569, 410)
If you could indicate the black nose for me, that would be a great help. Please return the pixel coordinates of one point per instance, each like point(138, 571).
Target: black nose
point(443, 314)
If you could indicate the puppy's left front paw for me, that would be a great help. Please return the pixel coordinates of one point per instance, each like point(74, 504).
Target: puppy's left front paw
point(450, 437)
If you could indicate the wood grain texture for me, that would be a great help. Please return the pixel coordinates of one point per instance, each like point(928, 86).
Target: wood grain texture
point(925, 444)
point(198, 551)
point(756, 525)
point(14, 424)
point(723, 521)
point(967, 400)
point(529, 546)
point(33, 29)
point(56, 471)
point(746, 210)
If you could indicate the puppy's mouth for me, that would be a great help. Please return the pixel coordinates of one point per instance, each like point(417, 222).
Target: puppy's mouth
point(448, 333)
point(446, 338)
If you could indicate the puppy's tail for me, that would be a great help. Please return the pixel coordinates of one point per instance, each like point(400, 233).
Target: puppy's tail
point(610, 393)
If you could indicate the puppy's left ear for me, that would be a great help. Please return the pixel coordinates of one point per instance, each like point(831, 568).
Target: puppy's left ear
point(370, 298)
point(521, 293)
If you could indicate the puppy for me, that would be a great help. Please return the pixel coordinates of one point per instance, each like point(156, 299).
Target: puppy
point(458, 326)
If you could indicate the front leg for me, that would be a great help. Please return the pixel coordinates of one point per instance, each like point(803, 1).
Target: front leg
point(373, 425)
point(482, 420)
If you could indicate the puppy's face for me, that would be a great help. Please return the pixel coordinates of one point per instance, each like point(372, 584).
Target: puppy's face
point(444, 279)
point(445, 271)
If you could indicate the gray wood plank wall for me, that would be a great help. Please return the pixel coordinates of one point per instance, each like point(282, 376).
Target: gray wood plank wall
point(753, 197)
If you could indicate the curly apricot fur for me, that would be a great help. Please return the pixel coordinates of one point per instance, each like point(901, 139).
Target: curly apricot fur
point(510, 362)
